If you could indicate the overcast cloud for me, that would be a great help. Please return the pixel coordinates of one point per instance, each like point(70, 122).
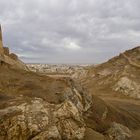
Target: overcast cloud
point(70, 31)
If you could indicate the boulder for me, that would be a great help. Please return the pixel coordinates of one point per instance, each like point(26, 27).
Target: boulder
point(13, 56)
point(6, 51)
point(128, 87)
point(119, 132)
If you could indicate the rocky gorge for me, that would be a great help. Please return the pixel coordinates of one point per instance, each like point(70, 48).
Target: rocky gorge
point(36, 105)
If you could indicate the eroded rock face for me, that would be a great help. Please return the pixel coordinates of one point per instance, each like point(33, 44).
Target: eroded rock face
point(119, 132)
point(128, 87)
point(119, 76)
point(37, 119)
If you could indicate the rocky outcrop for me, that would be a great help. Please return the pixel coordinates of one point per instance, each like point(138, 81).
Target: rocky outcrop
point(14, 62)
point(13, 56)
point(42, 120)
point(38, 119)
point(6, 51)
point(128, 87)
point(9, 58)
point(119, 132)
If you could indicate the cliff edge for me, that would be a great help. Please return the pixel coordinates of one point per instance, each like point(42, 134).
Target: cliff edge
point(8, 58)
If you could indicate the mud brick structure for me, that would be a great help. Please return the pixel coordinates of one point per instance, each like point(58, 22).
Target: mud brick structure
point(1, 44)
point(9, 58)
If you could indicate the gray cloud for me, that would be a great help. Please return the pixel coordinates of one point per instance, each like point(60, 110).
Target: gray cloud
point(70, 31)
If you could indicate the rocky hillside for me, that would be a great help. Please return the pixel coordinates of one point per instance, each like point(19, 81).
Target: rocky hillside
point(34, 106)
point(118, 76)
point(38, 107)
point(61, 70)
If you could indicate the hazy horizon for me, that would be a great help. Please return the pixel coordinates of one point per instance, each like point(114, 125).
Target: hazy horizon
point(87, 31)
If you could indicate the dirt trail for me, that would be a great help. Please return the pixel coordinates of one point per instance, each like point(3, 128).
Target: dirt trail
point(117, 99)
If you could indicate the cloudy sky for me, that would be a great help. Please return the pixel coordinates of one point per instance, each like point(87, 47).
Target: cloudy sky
point(70, 31)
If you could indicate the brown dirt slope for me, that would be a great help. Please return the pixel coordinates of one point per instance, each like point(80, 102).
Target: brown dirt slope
point(19, 88)
point(120, 76)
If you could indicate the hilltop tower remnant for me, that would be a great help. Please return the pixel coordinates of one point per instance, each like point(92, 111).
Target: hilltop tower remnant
point(9, 58)
point(1, 43)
